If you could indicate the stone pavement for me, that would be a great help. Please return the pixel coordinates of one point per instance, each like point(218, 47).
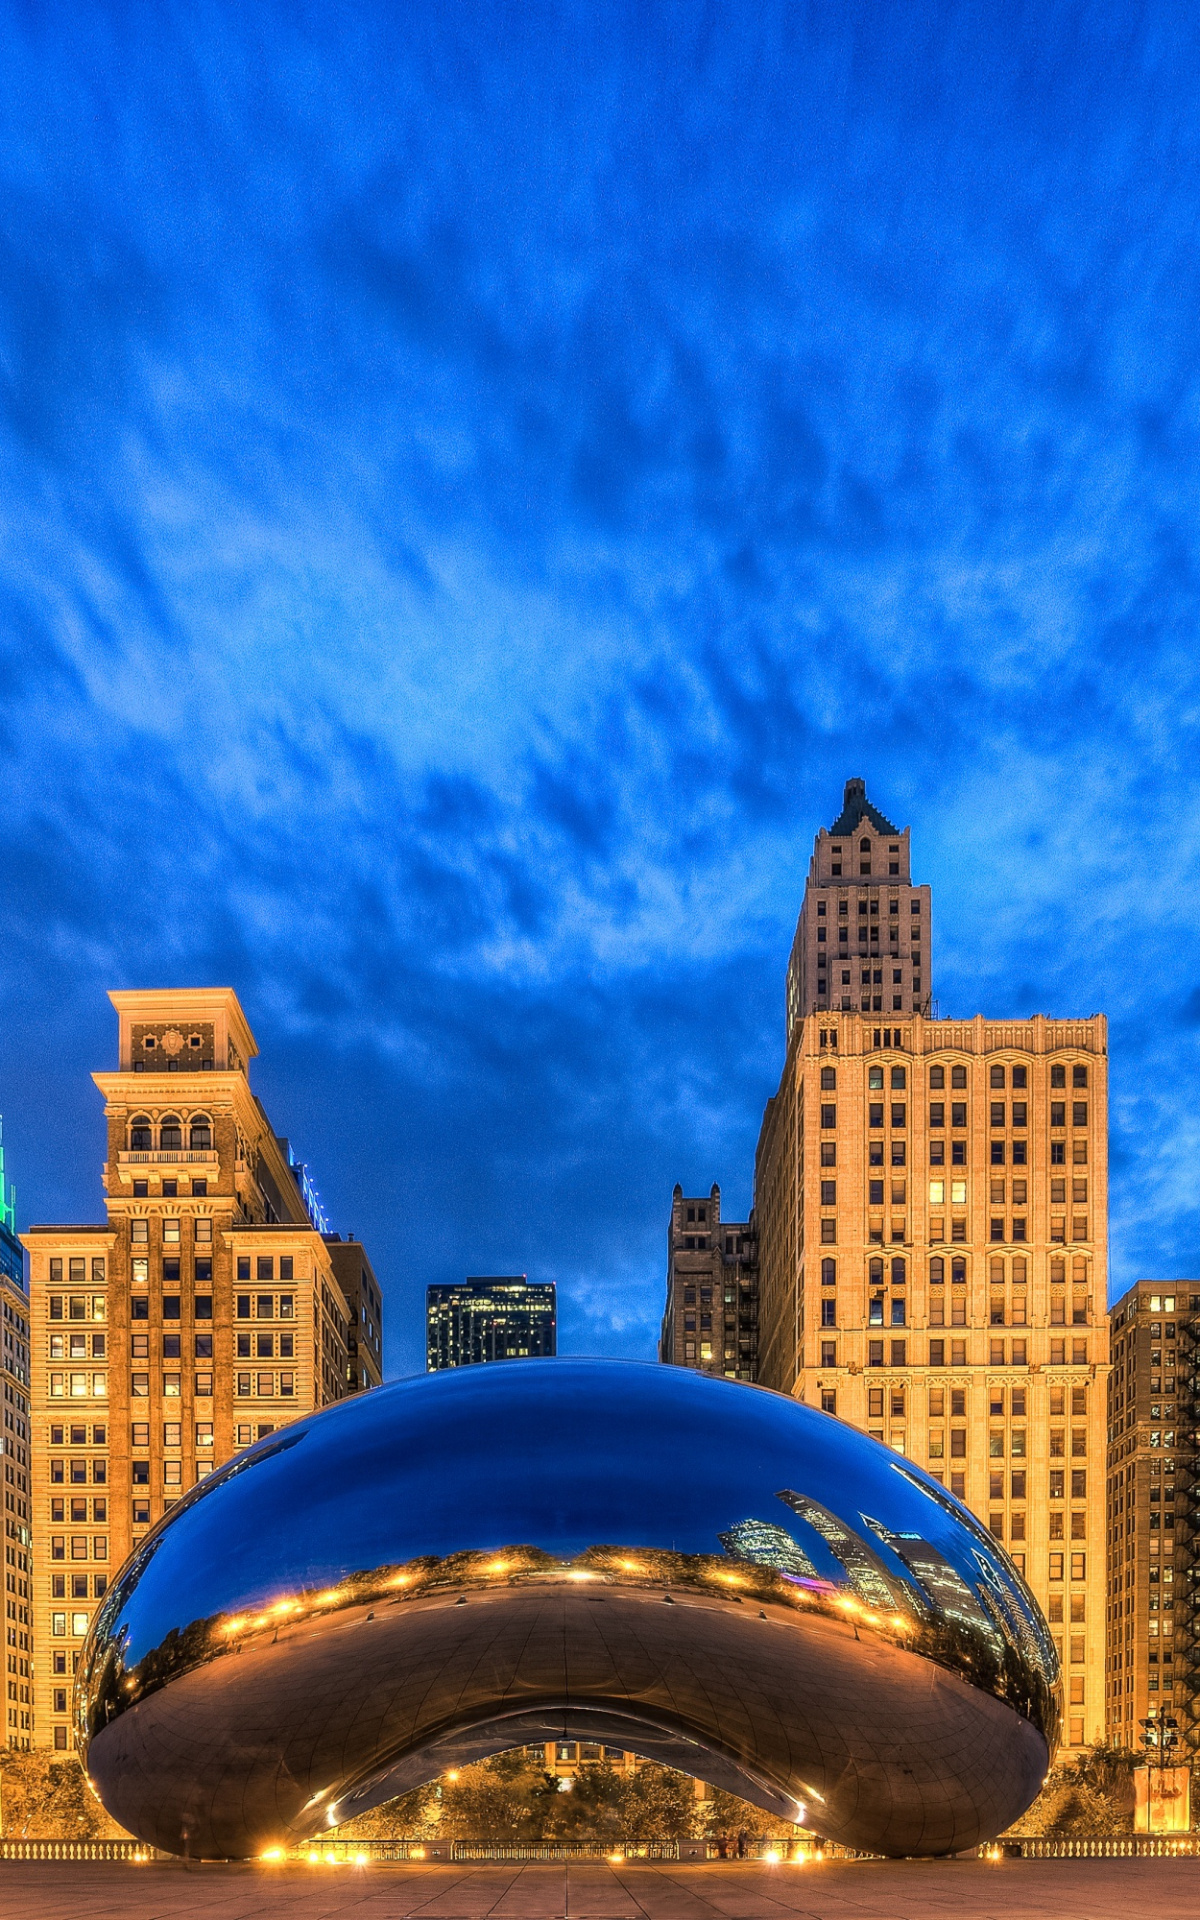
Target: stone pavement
point(836, 1890)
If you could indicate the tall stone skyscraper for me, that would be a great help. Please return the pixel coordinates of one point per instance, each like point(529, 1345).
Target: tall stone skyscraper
point(201, 1314)
point(710, 1319)
point(862, 939)
point(15, 1447)
point(931, 1200)
point(1153, 1495)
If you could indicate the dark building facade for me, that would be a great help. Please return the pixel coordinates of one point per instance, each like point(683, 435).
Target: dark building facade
point(505, 1317)
point(710, 1320)
point(364, 1342)
point(1153, 1591)
point(14, 1445)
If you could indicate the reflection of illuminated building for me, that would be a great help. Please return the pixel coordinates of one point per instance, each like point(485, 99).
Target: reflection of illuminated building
point(866, 1571)
point(202, 1315)
point(230, 1704)
point(566, 1758)
point(769, 1546)
point(945, 1589)
point(506, 1318)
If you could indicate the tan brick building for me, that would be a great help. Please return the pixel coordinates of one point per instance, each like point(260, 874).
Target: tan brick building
point(15, 1459)
point(710, 1320)
point(862, 939)
point(931, 1199)
point(204, 1313)
point(1151, 1552)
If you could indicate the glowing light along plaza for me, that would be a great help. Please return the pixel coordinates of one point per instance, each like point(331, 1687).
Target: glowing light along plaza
point(711, 1575)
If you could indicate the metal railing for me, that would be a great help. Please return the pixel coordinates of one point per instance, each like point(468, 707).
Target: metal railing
point(1106, 1846)
point(167, 1156)
point(79, 1850)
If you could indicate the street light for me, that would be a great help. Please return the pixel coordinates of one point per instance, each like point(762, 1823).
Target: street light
point(1160, 1738)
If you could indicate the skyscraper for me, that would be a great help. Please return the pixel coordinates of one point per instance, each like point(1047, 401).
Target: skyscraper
point(14, 1446)
point(503, 1318)
point(360, 1288)
point(1153, 1562)
point(710, 1320)
point(204, 1313)
point(863, 935)
point(931, 1201)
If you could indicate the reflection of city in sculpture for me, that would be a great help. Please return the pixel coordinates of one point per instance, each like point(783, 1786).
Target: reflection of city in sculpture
point(708, 1574)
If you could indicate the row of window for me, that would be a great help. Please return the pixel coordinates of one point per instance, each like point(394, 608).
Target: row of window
point(78, 1509)
point(958, 1117)
point(171, 1235)
point(171, 1189)
point(1013, 1232)
point(263, 1386)
point(898, 1078)
point(843, 905)
point(998, 1268)
point(79, 1386)
point(1014, 1398)
point(1000, 1353)
point(76, 1586)
point(171, 1131)
point(864, 848)
point(77, 1270)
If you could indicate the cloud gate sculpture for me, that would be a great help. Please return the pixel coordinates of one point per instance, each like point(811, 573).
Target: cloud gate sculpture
point(705, 1573)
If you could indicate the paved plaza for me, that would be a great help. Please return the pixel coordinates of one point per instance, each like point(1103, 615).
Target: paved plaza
point(846, 1890)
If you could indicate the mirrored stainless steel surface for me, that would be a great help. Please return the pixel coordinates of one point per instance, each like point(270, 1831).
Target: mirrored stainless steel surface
point(696, 1570)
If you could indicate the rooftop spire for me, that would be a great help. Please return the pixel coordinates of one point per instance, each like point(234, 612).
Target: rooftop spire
point(8, 1195)
point(856, 806)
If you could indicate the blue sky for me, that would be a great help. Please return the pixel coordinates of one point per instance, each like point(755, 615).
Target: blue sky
point(474, 481)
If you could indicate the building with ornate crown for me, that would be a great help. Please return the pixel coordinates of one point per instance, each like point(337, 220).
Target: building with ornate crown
point(204, 1312)
point(931, 1202)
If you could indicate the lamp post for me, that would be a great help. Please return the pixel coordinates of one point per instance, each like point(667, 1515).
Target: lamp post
point(1160, 1740)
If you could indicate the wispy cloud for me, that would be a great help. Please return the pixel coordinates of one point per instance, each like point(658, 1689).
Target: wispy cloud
point(474, 484)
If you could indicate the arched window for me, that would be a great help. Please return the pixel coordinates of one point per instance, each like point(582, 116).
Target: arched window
point(1018, 1270)
point(937, 1271)
point(828, 1273)
point(170, 1134)
point(140, 1137)
point(958, 1272)
point(200, 1133)
point(875, 1272)
point(898, 1271)
point(864, 846)
point(997, 1271)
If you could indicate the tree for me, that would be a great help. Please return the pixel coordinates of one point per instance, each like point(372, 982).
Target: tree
point(658, 1804)
point(731, 1823)
point(501, 1799)
point(591, 1810)
point(43, 1798)
point(1092, 1794)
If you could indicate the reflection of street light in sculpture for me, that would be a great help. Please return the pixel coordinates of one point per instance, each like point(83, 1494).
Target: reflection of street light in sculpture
point(478, 1560)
